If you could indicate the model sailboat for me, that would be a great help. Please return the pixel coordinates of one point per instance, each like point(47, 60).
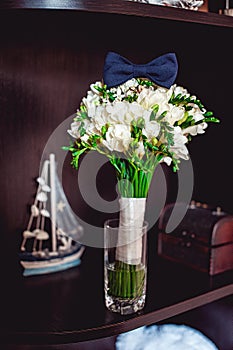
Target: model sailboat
point(51, 240)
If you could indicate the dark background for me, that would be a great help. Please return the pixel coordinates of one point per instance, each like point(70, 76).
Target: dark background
point(216, 5)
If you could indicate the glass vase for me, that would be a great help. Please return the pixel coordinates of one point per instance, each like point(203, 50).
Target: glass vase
point(125, 266)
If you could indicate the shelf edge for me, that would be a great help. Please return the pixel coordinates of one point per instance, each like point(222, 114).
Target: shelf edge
point(66, 337)
point(122, 7)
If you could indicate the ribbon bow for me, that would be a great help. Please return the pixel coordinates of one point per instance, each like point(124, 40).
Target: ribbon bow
point(162, 70)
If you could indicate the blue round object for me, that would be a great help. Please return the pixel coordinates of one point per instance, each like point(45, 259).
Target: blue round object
point(164, 337)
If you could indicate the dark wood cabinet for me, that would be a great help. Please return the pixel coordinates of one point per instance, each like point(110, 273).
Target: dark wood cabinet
point(50, 52)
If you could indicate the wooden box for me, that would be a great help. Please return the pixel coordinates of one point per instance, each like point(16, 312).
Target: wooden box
point(202, 240)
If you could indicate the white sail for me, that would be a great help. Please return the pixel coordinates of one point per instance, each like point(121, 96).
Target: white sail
point(66, 219)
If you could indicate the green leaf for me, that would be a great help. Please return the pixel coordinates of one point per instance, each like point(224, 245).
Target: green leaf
point(183, 119)
point(65, 148)
point(131, 98)
point(152, 116)
point(155, 108)
point(81, 129)
point(159, 157)
point(211, 119)
point(140, 123)
point(104, 130)
point(144, 82)
point(169, 127)
point(208, 114)
point(162, 115)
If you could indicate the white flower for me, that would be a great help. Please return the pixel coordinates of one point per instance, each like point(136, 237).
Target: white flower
point(84, 138)
point(90, 127)
point(167, 160)
point(131, 83)
point(100, 118)
point(170, 92)
point(118, 138)
point(196, 113)
point(195, 129)
point(179, 149)
point(90, 102)
point(148, 98)
point(175, 114)
point(140, 150)
point(93, 89)
point(74, 130)
point(180, 90)
point(137, 110)
point(119, 112)
point(151, 129)
point(119, 93)
point(124, 112)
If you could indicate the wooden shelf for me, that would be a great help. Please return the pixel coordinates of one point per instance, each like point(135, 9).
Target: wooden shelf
point(68, 307)
point(48, 58)
point(123, 7)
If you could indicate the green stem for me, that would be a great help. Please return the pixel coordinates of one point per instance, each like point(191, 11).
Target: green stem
point(126, 281)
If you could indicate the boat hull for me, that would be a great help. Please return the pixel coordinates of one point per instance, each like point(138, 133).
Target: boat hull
point(50, 265)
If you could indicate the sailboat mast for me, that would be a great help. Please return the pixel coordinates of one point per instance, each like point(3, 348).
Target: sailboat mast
point(53, 201)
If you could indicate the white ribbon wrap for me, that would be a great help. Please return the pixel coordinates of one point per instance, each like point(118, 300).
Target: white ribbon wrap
point(132, 212)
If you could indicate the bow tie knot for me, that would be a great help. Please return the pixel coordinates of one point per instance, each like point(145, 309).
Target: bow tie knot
point(162, 70)
point(139, 70)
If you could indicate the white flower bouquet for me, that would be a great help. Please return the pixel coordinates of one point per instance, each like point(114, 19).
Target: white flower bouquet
point(137, 125)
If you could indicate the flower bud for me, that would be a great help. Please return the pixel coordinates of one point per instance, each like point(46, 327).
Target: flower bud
point(141, 122)
point(154, 141)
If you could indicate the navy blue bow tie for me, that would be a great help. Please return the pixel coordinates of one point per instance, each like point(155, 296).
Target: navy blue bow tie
point(162, 70)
